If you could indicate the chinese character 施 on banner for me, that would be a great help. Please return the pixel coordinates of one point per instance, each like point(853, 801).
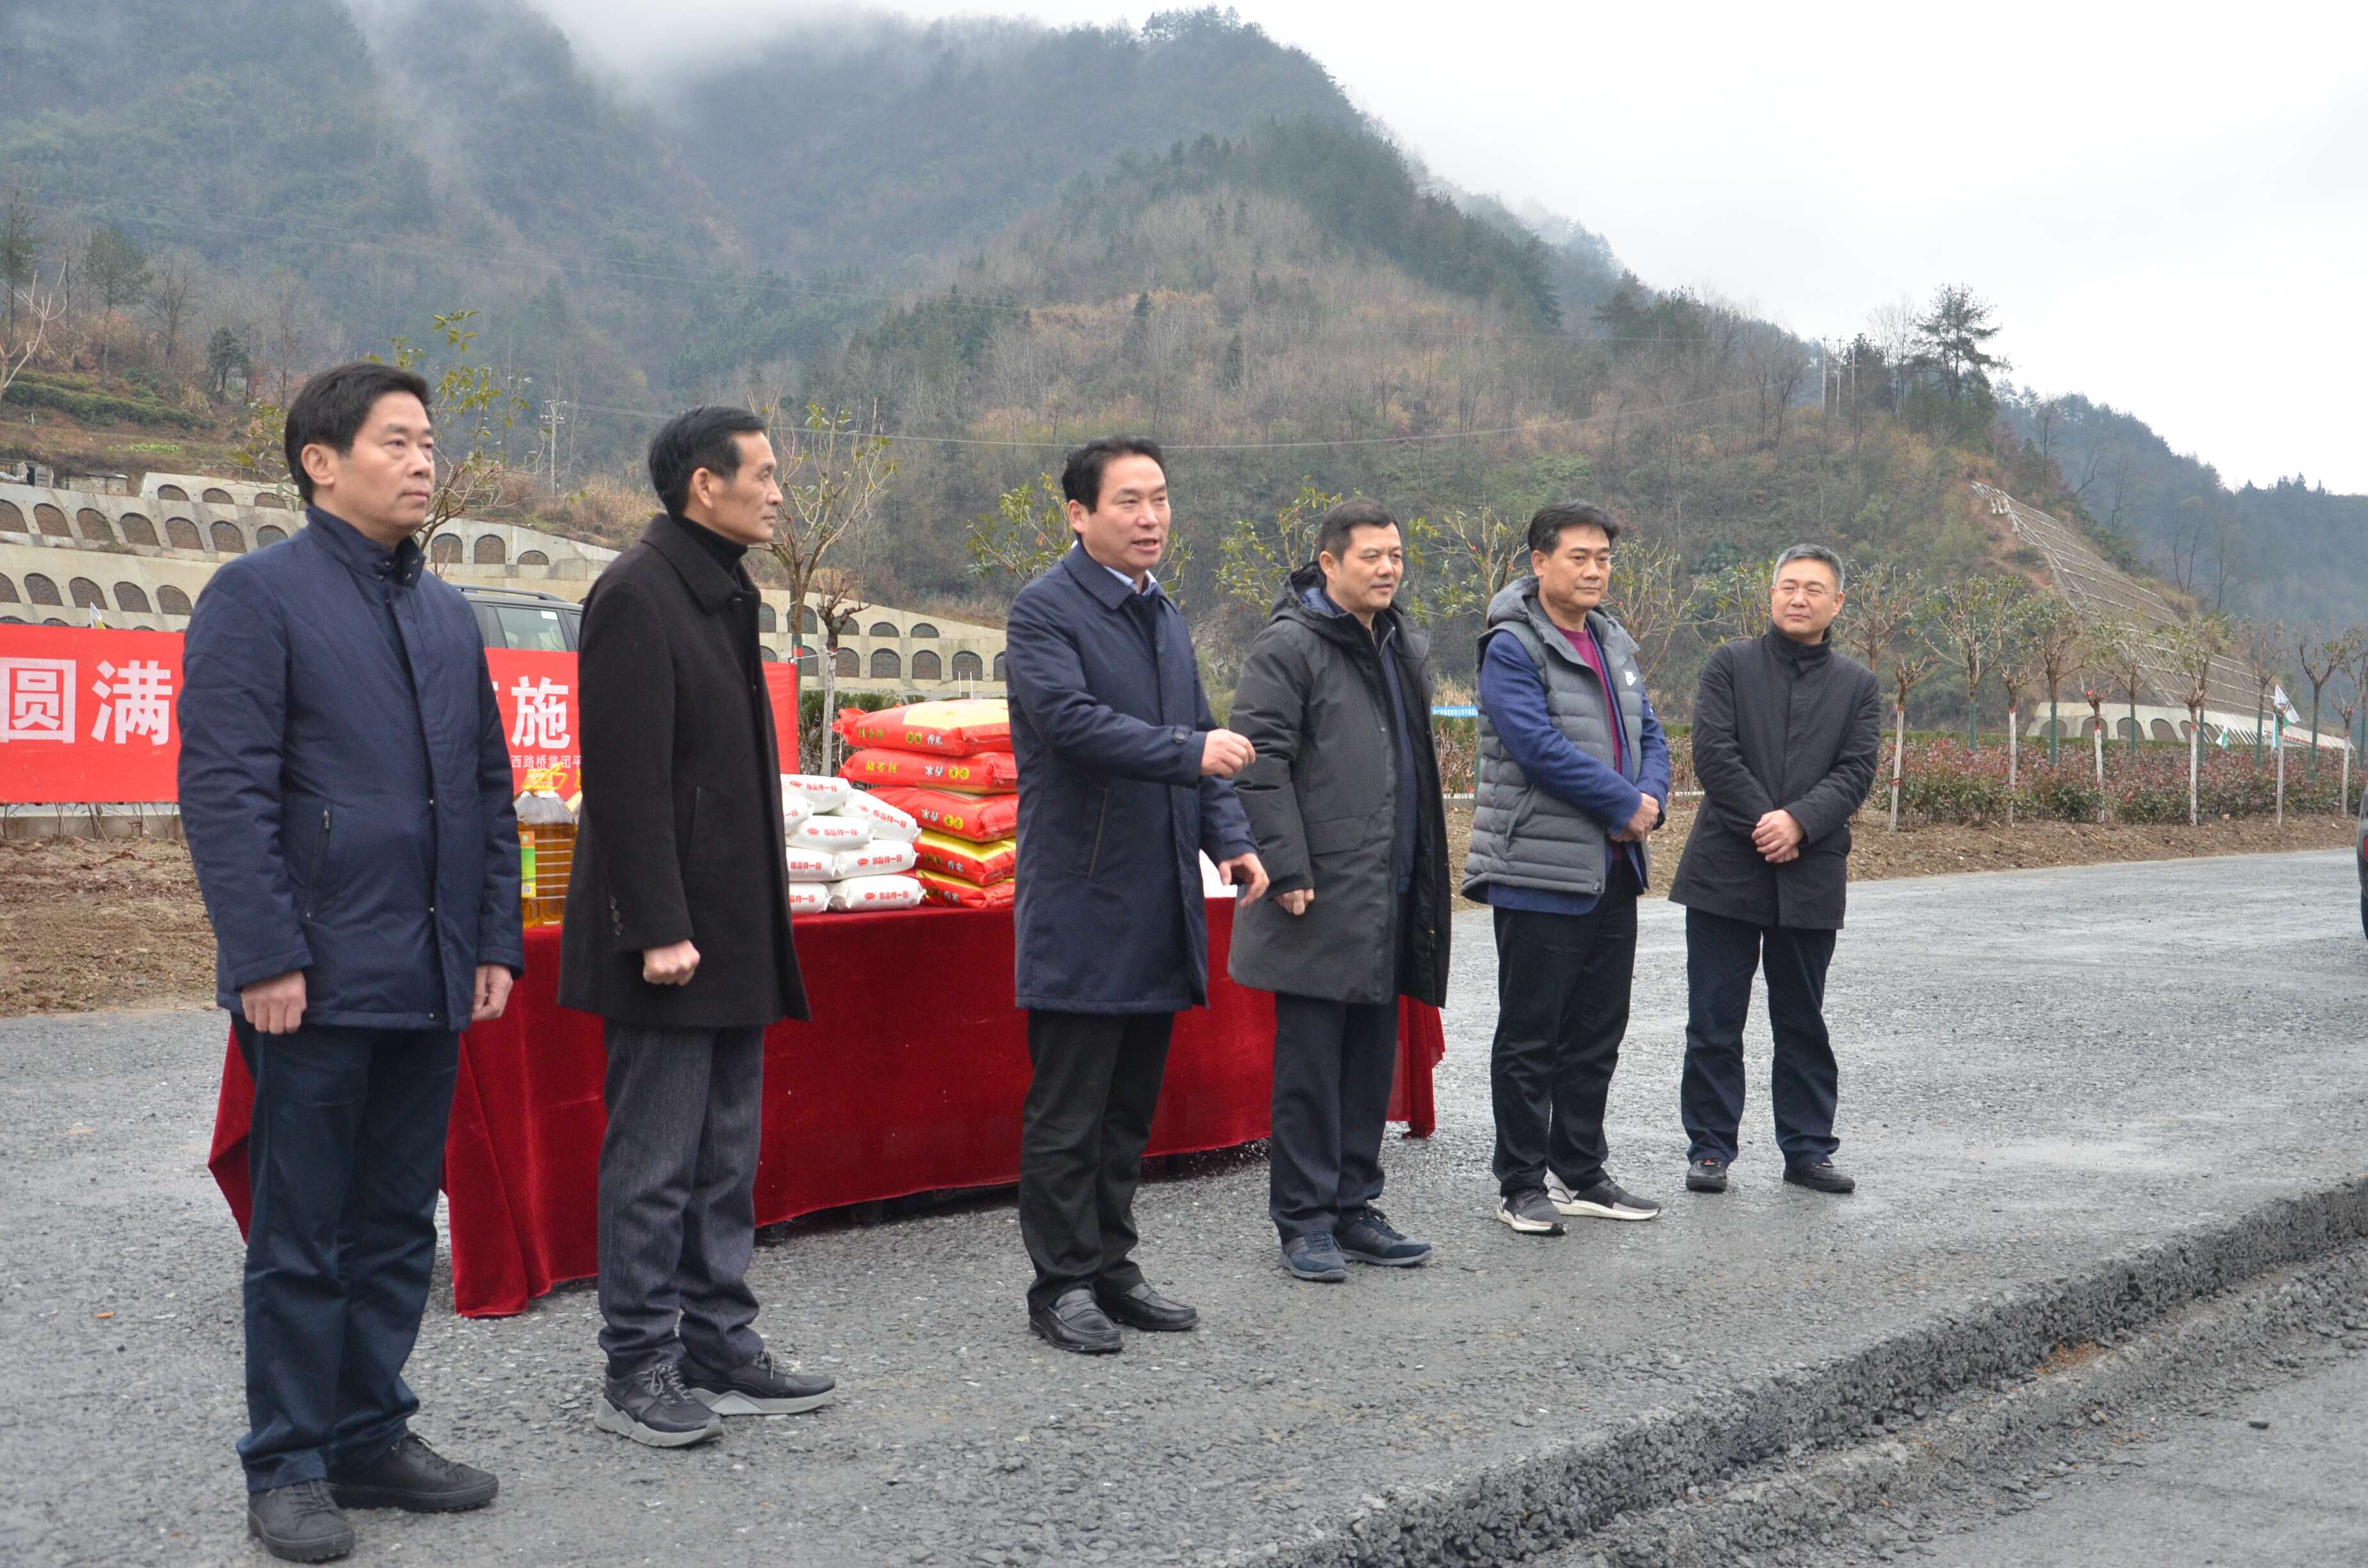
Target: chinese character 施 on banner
point(542, 720)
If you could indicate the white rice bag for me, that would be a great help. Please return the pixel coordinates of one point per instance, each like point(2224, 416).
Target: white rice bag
point(809, 898)
point(881, 858)
point(887, 822)
point(795, 809)
point(824, 831)
point(811, 865)
point(875, 892)
point(819, 790)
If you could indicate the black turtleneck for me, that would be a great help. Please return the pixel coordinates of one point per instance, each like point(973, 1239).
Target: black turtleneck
point(725, 553)
point(1801, 654)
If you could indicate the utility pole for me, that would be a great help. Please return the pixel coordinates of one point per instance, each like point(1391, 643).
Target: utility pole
point(552, 420)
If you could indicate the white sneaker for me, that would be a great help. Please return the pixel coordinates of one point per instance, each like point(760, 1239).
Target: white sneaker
point(1606, 1200)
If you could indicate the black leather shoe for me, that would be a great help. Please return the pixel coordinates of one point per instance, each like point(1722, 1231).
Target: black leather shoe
point(415, 1477)
point(1147, 1308)
point(1706, 1174)
point(1823, 1176)
point(1074, 1322)
point(299, 1523)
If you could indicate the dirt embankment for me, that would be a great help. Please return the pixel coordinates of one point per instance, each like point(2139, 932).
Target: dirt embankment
point(87, 924)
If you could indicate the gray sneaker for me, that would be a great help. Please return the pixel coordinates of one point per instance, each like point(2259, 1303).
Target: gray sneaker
point(759, 1388)
point(1316, 1257)
point(652, 1406)
point(1367, 1236)
point(1529, 1213)
point(1605, 1199)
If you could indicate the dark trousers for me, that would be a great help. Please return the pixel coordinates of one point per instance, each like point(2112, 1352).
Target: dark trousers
point(1096, 1083)
point(678, 1195)
point(1721, 957)
point(1562, 983)
point(344, 1156)
point(1334, 1062)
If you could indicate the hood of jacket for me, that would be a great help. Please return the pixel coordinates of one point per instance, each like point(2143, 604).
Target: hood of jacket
point(1304, 601)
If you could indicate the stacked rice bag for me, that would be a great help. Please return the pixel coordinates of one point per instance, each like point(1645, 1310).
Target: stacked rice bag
point(847, 850)
point(947, 766)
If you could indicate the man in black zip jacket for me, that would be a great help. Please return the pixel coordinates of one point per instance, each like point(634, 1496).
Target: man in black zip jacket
point(1335, 696)
point(1786, 736)
point(1123, 784)
point(345, 785)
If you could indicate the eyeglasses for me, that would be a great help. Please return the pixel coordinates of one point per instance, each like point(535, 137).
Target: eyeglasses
point(1813, 592)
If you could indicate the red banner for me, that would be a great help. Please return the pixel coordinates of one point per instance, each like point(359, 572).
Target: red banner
point(94, 716)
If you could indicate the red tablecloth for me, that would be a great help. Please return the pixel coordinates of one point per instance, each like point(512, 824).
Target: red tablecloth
point(909, 1079)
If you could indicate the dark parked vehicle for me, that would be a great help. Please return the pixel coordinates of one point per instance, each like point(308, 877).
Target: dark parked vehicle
point(525, 621)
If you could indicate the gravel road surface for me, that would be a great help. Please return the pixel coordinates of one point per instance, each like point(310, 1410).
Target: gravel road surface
point(2041, 1070)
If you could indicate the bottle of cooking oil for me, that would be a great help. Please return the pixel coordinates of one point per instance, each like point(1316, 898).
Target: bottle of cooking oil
point(546, 851)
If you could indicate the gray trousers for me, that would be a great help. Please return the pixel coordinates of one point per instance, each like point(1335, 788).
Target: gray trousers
point(678, 1195)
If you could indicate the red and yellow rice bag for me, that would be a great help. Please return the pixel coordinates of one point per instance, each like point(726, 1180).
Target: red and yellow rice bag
point(982, 864)
point(961, 894)
point(982, 819)
point(954, 728)
point(981, 773)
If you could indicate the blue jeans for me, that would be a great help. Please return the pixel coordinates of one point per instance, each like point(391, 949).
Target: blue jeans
point(344, 1156)
point(1722, 955)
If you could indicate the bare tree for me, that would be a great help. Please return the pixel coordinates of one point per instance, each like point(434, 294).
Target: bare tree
point(1881, 604)
point(2320, 656)
point(33, 313)
point(1026, 534)
point(834, 474)
point(2118, 647)
point(2195, 643)
point(1917, 657)
point(1972, 618)
point(168, 299)
point(1647, 598)
point(2346, 706)
point(2262, 646)
point(1479, 552)
point(2059, 642)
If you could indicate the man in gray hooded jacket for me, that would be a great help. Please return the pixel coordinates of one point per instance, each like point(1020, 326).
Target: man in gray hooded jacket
point(1344, 800)
point(1574, 773)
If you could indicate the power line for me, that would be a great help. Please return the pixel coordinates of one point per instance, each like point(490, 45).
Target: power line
point(1569, 423)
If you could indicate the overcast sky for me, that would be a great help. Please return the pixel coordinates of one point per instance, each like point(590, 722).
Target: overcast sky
point(2171, 214)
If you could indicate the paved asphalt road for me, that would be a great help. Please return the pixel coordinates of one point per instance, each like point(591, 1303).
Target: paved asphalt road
point(2219, 1490)
point(2040, 1069)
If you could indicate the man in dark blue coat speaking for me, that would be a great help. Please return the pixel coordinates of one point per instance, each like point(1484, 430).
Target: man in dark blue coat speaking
point(1123, 784)
point(344, 786)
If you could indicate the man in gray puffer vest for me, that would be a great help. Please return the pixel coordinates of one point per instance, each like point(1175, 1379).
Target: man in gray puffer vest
point(1343, 797)
point(1574, 773)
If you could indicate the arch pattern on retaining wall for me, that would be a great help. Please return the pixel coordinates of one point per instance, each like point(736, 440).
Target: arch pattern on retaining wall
point(533, 558)
point(489, 550)
point(968, 665)
point(7, 591)
point(130, 600)
point(171, 493)
point(444, 548)
point(96, 529)
point(228, 541)
point(40, 590)
point(268, 533)
point(86, 594)
point(138, 530)
point(170, 600)
point(217, 498)
point(886, 666)
point(926, 666)
point(845, 661)
point(182, 534)
point(52, 521)
point(999, 666)
point(271, 501)
point(11, 519)
point(923, 629)
point(766, 620)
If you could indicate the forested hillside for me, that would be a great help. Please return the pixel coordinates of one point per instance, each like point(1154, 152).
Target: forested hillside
point(996, 239)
